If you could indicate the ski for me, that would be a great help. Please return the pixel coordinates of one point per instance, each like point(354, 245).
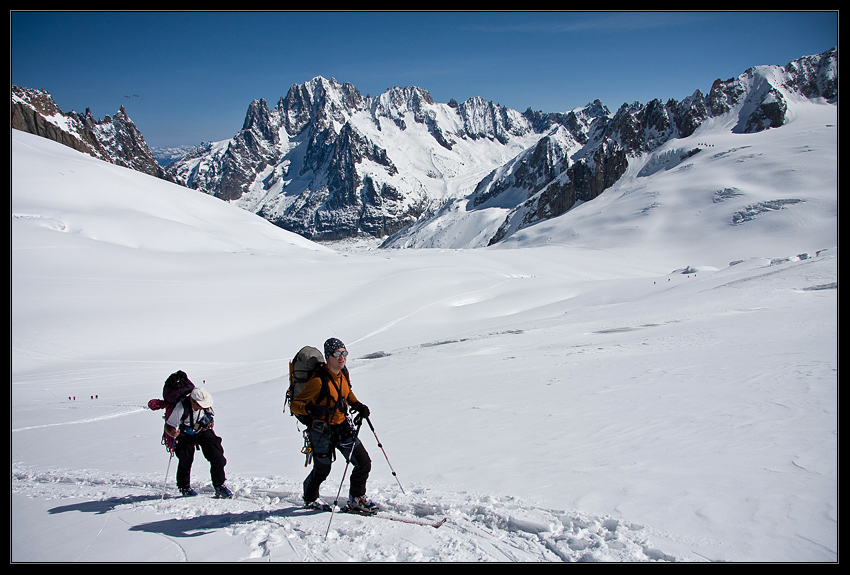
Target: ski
point(201, 493)
point(198, 496)
point(394, 517)
point(411, 520)
point(381, 515)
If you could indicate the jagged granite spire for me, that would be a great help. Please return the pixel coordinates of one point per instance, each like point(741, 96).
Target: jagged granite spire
point(114, 139)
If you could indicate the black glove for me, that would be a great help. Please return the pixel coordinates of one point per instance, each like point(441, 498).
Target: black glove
point(317, 410)
point(361, 409)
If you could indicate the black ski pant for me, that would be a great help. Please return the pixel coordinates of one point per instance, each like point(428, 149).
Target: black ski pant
point(323, 441)
point(211, 447)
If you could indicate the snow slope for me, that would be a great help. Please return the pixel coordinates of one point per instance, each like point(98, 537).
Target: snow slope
point(606, 386)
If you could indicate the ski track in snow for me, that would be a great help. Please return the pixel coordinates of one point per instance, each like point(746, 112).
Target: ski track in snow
point(86, 420)
point(267, 517)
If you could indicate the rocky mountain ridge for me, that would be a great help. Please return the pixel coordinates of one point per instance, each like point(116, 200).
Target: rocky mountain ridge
point(759, 97)
point(114, 139)
point(329, 163)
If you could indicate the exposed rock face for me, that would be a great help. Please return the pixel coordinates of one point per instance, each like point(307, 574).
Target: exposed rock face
point(114, 139)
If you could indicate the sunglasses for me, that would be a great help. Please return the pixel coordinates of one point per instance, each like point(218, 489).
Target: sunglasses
point(340, 353)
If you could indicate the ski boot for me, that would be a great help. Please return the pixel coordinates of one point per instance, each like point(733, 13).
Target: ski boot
point(362, 505)
point(222, 492)
point(188, 492)
point(317, 505)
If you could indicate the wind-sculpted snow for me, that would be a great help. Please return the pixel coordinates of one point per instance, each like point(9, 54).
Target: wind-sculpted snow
point(266, 521)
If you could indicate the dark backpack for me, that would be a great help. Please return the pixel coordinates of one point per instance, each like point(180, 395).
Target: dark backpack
point(176, 389)
point(308, 362)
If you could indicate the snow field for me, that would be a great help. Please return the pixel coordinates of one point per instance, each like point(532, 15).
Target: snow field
point(660, 393)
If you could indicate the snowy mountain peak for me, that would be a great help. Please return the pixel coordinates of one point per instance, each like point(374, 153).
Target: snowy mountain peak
point(397, 102)
point(483, 119)
point(320, 100)
point(760, 95)
point(329, 163)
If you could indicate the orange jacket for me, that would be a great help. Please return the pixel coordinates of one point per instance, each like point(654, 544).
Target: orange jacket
point(338, 386)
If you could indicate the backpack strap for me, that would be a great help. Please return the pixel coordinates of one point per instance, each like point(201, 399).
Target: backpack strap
point(323, 376)
point(189, 413)
point(324, 393)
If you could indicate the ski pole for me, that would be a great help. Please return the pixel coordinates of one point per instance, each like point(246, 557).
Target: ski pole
point(385, 454)
point(165, 481)
point(347, 462)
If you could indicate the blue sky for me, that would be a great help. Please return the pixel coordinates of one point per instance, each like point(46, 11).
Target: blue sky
point(187, 77)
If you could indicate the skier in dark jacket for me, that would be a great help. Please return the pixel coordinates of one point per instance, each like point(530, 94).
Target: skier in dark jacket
point(191, 424)
point(330, 428)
